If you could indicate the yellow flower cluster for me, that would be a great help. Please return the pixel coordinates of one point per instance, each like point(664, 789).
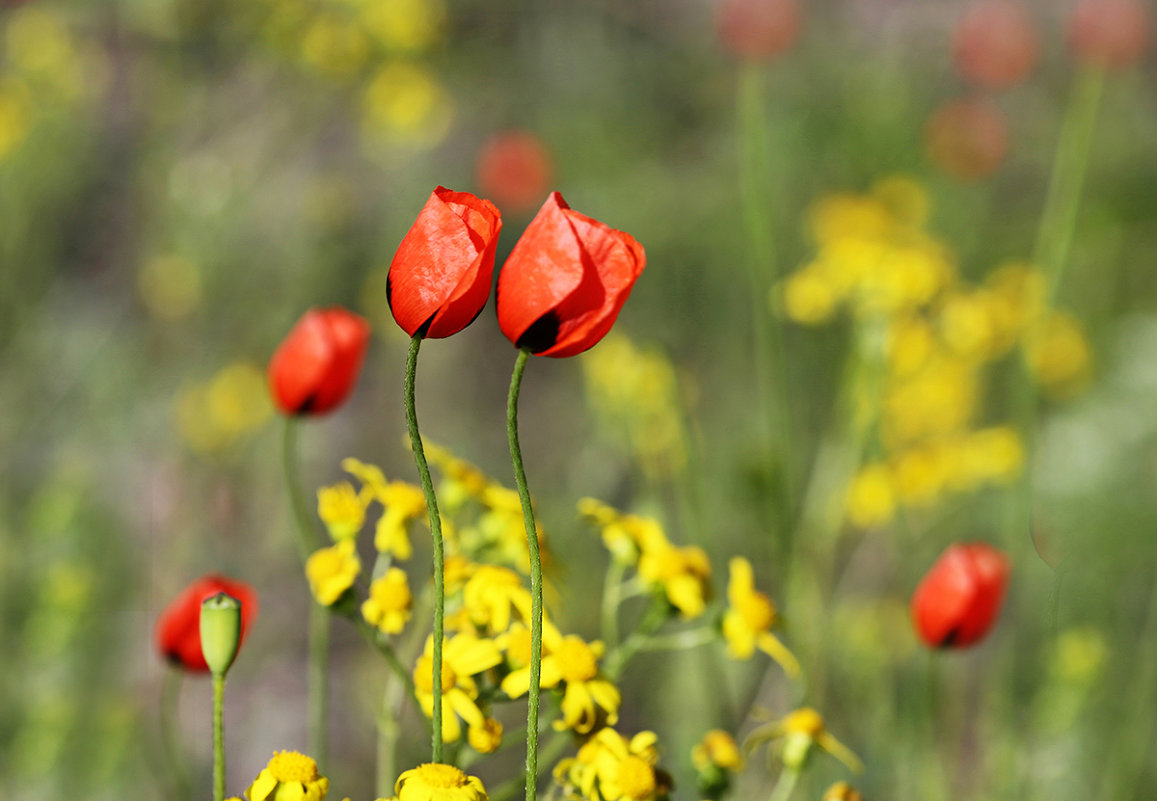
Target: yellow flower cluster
point(925, 339)
point(220, 412)
point(376, 46)
point(609, 767)
point(636, 391)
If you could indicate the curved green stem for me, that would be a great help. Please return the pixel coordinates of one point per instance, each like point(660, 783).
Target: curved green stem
point(435, 533)
point(179, 771)
point(786, 784)
point(535, 577)
point(218, 737)
point(307, 539)
point(612, 597)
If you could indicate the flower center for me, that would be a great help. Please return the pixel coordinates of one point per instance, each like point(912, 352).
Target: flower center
point(804, 721)
point(757, 611)
point(576, 660)
point(424, 676)
point(440, 777)
point(392, 594)
point(636, 778)
point(290, 766)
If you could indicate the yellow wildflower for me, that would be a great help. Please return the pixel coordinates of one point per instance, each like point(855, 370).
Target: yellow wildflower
point(717, 749)
point(871, 497)
point(937, 400)
point(989, 455)
point(405, 104)
point(437, 782)
point(402, 503)
point(463, 656)
point(920, 473)
point(904, 198)
point(842, 791)
point(341, 509)
point(681, 572)
point(749, 618)
point(331, 571)
point(334, 46)
point(371, 476)
point(492, 594)
point(410, 25)
point(486, 738)
point(289, 776)
point(388, 606)
point(809, 297)
point(625, 535)
point(800, 730)
point(1059, 354)
point(1017, 295)
point(610, 767)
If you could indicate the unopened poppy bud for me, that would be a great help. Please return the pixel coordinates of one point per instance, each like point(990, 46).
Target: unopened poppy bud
point(220, 631)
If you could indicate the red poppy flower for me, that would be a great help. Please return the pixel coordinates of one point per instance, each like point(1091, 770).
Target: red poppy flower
point(995, 44)
point(514, 168)
point(968, 139)
point(316, 366)
point(1111, 33)
point(564, 283)
point(440, 277)
point(958, 600)
point(758, 30)
point(179, 626)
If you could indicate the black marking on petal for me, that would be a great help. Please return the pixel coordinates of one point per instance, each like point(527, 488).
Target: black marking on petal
point(424, 327)
point(949, 638)
point(541, 335)
point(307, 404)
point(390, 291)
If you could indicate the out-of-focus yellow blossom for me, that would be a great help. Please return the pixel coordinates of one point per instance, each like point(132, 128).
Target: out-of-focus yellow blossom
point(341, 509)
point(990, 455)
point(1017, 298)
point(682, 572)
point(920, 473)
point(331, 571)
point(405, 25)
point(14, 115)
point(749, 618)
point(588, 698)
point(437, 782)
point(461, 480)
point(637, 389)
point(233, 403)
point(388, 607)
point(371, 477)
point(871, 497)
point(170, 287)
point(1080, 655)
point(491, 596)
point(910, 343)
point(905, 200)
point(939, 399)
point(625, 535)
point(609, 767)
point(401, 504)
point(405, 104)
point(800, 730)
point(840, 216)
point(335, 46)
point(966, 325)
point(1059, 354)
point(809, 297)
point(717, 749)
point(463, 656)
point(842, 791)
point(485, 739)
point(40, 46)
point(289, 776)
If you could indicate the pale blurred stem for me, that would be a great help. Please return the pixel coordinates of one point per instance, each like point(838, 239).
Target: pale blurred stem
point(218, 737)
point(178, 769)
point(612, 597)
point(681, 640)
point(387, 763)
point(370, 634)
point(307, 542)
point(318, 681)
point(553, 750)
point(786, 784)
point(435, 534)
point(535, 576)
point(770, 353)
point(617, 659)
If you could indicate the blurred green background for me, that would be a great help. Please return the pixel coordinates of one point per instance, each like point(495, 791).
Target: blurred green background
point(181, 179)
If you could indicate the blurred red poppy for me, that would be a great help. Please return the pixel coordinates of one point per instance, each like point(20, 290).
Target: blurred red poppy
point(440, 277)
point(757, 30)
point(959, 599)
point(968, 139)
point(514, 168)
point(317, 364)
point(1110, 33)
point(995, 44)
point(178, 631)
point(564, 283)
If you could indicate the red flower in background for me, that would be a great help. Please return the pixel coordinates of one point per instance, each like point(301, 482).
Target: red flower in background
point(179, 626)
point(968, 139)
point(564, 283)
point(959, 599)
point(757, 30)
point(514, 168)
point(995, 44)
point(315, 368)
point(440, 277)
point(1111, 33)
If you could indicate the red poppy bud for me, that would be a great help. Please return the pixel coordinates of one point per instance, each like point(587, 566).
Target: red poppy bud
point(967, 139)
point(179, 626)
point(958, 600)
point(758, 30)
point(995, 44)
point(1111, 33)
point(514, 168)
point(440, 277)
point(564, 283)
point(316, 366)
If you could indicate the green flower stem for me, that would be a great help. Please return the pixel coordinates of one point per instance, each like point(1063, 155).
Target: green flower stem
point(318, 681)
point(535, 577)
point(612, 597)
point(550, 754)
point(436, 534)
point(681, 640)
point(617, 659)
point(308, 541)
point(786, 784)
point(178, 769)
point(218, 737)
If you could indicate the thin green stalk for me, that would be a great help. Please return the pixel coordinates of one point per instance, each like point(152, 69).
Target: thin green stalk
point(535, 576)
point(307, 542)
point(786, 784)
point(178, 769)
point(550, 753)
point(218, 737)
point(435, 533)
point(318, 706)
point(612, 597)
point(681, 640)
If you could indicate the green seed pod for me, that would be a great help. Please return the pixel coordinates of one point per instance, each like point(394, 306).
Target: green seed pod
point(220, 631)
